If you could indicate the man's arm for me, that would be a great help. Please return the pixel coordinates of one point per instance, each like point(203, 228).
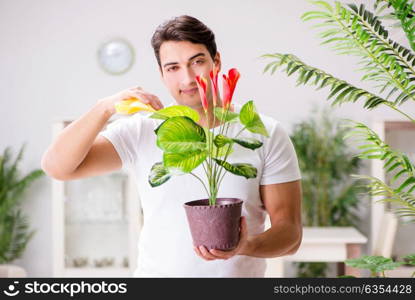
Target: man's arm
point(79, 152)
point(282, 201)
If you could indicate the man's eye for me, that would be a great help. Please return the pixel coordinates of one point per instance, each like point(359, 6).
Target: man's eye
point(174, 68)
point(199, 62)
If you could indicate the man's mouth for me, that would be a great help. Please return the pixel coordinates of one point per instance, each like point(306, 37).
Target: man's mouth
point(191, 91)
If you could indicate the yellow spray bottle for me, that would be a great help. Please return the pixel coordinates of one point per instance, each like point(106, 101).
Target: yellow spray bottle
point(131, 106)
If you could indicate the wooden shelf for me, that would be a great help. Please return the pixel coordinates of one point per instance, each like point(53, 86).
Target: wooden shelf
point(67, 244)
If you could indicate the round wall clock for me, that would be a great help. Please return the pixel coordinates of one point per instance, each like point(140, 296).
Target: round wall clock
point(116, 56)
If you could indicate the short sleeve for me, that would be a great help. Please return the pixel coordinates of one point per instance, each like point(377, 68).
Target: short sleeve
point(124, 134)
point(280, 159)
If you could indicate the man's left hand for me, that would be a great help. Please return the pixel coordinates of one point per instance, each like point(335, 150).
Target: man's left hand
point(213, 254)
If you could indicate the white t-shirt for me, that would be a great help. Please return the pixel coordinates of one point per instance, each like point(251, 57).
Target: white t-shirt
point(165, 246)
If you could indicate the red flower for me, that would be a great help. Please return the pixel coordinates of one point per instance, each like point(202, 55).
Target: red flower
point(215, 88)
point(202, 86)
point(229, 84)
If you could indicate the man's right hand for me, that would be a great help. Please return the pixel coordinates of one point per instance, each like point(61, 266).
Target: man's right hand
point(133, 92)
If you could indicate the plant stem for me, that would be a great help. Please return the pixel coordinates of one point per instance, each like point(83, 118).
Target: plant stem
point(215, 188)
point(240, 132)
point(224, 132)
point(216, 170)
point(207, 174)
point(399, 111)
point(209, 160)
point(200, 181)
point(227, 154)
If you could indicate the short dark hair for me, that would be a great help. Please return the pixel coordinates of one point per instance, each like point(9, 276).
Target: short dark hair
point(183, 28)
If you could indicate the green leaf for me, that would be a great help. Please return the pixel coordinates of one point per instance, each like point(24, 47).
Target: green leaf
point(224, 116)
point(397, 175)
point(324, 4)
point(408, 181)
point(221, 150)
point(353, 93)
point(375, 264)
point(15, 231)
point(158, 174)
point(221, 140)
point(176, 111)
point(250, 118)
point(184, 161)
point(410, 259)
point(249, 143)
point(240, 169)
point(180, 134)
point(404, 200)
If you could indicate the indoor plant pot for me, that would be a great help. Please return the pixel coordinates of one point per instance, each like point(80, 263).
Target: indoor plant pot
point(214, 222)
point(214, 226)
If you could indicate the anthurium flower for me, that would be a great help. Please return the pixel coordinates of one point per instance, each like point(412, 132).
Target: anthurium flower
point(229, 84)
point(202, 86)
point(215, 88)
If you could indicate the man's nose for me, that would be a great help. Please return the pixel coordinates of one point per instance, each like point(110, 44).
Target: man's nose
point(189, 77)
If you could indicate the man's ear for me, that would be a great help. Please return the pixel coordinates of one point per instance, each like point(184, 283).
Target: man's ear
point(217, 61)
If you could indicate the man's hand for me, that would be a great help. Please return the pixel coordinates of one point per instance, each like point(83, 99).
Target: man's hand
point(133, 92)
point(212, 254)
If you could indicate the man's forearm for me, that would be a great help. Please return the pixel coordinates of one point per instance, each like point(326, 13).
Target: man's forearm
point(71, 146)
point(281, 239)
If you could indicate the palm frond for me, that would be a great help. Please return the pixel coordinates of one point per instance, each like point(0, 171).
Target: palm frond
point(4, 160)
point(9, 170)
point(14, 236)
point(14, 228)
point(356, 31)
point(402, 11)
point(374, 148)
point(404, 200)
point(340, 90)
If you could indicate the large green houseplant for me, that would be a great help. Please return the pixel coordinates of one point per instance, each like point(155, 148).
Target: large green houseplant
point(330, 195)
point(14, 228)
point(187, 145)
point(354, 30)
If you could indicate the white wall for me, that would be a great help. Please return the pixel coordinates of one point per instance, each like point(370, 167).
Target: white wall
point(48, 70)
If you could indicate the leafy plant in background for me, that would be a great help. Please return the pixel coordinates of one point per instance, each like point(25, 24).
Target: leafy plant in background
point(354, 30)
point(379, 264)
point(330, 195)
point(326, 162)
point(186, 144)
point(14, 229)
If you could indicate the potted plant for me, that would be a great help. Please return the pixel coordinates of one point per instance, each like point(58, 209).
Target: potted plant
point(214, 221)
point(14, 229)
point(355, 30)
point(330, 195)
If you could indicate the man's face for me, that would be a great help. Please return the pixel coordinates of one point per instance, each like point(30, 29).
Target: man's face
point(181, 62)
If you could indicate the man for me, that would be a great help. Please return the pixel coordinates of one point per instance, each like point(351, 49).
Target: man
point(184, 47)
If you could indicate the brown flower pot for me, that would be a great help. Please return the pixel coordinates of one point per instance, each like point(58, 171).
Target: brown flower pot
point(215, 226)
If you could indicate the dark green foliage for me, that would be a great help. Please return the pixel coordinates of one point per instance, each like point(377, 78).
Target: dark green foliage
point(14, 228)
